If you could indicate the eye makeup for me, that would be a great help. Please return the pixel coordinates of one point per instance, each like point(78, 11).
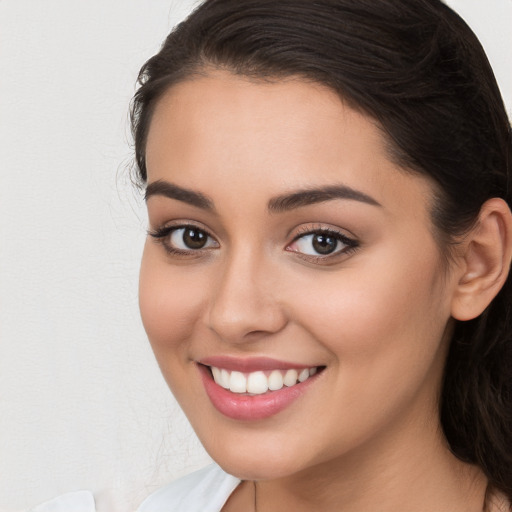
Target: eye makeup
point(317, 244)
point(322, 245)
point(185, 239)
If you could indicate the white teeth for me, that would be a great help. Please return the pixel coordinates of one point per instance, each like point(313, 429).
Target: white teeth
point(275, 380)
point(224, 379)
point(290, 378)
point(303, 375)
point(259, 382)
point(237, 382)
point(216, 374)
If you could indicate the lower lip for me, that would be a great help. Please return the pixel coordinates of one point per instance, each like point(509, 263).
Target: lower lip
point(247, 407)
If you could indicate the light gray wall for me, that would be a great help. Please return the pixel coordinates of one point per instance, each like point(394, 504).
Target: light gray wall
point(82, 403)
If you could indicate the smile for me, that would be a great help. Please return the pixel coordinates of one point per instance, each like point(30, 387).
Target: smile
point(255, 389)
point(260, 382)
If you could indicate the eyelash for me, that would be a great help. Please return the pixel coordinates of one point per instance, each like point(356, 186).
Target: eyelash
point(350, 244)
point(161, 235)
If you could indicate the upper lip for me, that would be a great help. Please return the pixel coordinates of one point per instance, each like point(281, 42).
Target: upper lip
point(251, 364)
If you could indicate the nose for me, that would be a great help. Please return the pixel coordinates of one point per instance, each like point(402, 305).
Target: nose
point(245, 303)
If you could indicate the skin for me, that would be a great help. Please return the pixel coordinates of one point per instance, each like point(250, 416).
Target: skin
point(366, 434)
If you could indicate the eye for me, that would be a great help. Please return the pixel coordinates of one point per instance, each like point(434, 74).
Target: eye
point(183, 239)
point(188, 238)
point(322, 243)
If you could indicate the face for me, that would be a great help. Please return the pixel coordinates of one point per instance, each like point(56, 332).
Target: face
point(287, 251)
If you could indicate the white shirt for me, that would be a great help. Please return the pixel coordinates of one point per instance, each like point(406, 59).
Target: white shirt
point(206, 490)
point(80, 501)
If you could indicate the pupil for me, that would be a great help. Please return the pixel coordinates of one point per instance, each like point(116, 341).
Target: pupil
point(324, 244)
point(194, 239)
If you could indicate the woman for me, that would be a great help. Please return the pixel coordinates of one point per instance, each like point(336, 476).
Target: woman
point(325, 280)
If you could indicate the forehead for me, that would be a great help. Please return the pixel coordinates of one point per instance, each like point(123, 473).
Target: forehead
point(292, 104)
point(271, 136)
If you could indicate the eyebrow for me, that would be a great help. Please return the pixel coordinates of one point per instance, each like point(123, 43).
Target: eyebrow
point(278, 204)
point(172, 191)
point(308, 196)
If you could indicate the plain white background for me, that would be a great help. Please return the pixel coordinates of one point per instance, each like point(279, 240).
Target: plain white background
point(82, 402)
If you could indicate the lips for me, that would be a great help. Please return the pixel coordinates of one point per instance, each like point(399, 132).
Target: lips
point(256, 388)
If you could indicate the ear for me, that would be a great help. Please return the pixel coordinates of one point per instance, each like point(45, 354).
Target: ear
point(484, 261)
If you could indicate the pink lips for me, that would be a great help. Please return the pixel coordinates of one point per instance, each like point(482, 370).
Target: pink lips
point(252, 364)
point(247, 407)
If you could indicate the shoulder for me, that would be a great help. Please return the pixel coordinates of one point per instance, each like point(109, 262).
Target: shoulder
point(205, 490)
point(80, 501)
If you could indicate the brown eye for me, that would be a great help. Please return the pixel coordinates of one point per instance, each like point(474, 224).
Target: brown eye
point(193, 238)
point(184, 239)
point(189, 238)
point(324, 243)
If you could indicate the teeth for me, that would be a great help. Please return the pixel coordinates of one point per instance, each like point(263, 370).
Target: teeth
point(257, 383)
point(303, 375)
point(290, 378)
point(237, 382)
point(216, 374)
point(224, 379)
point(275, 380)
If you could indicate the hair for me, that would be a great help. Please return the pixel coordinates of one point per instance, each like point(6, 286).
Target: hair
point(421, 73)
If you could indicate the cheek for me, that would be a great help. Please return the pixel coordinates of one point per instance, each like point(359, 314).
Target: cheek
point(383, 332)
point(388, 318)
point(170, 302)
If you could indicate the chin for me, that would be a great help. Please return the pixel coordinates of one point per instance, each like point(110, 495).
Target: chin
point(246, 469)
point(257, 461)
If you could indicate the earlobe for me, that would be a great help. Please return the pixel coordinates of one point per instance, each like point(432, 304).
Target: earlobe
point(485, 262)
